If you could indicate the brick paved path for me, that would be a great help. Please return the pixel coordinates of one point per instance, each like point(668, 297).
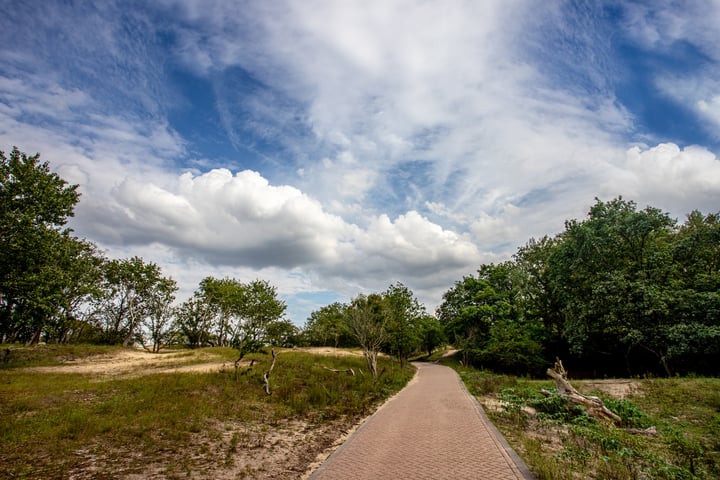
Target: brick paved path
point(433, 429)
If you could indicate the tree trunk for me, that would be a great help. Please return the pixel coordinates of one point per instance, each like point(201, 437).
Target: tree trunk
point(371, 357)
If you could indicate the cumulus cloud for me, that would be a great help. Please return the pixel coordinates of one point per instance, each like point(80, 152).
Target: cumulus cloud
point(356, 143)
point(666, 176)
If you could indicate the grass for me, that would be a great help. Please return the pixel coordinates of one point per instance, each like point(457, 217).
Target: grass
point(57, 425)
point(49, 355)
point(562, 442)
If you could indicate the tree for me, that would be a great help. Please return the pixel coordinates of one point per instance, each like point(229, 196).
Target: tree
point(281, 333)
point(35, 204)
point(132, 291)
point(160, 312)
point(431, 333)
point(226, 296)
point(540, 297)
point(327, 327)
point(402, 313)
point(615, 268)
point(366, 322)
point(77, 275)
point(194, 320)
point(244, 311)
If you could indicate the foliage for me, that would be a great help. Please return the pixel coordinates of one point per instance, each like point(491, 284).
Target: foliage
point(37, 256)
point(403, 314)
point(134, 293)
point(327, 327)
point(624, 291)
point(243, 311)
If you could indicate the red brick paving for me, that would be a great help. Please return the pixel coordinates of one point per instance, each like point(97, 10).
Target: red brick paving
point(433, 429)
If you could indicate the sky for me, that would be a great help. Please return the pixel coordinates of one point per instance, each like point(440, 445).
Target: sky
point(334, 148)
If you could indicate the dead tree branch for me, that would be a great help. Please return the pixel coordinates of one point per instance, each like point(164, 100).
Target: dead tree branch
point(594, 405)
point(237, 366)
point(266, 375)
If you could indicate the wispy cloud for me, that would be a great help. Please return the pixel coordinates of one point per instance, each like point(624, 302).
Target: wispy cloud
point(340, 146)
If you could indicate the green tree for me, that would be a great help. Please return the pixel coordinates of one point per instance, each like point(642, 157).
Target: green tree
point(131, 291)
point(327, 327)
point(403, 313)
point(77, 276)
point(281, 333)
point(194, 321)
point(432, 334)
point(694, 339)
point(540, 298)
point(35, 204)
point(244, 311)
point(615, 268)
point(160, 312)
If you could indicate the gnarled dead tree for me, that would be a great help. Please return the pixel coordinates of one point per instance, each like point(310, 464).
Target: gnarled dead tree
point(266, 375)
point(594, 405)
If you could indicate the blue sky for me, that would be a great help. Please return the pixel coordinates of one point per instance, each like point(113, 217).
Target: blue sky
point(334, 148)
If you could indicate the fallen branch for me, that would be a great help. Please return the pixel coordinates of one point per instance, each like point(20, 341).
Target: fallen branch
point(648, 432)
point(349, 371)
point(266, 375)
point(594, 405)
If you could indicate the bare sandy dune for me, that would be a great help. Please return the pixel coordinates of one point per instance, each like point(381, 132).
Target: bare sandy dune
point(138, 362)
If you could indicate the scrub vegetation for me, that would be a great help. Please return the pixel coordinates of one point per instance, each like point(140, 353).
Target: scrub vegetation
point(670, 427)
point(186, 423)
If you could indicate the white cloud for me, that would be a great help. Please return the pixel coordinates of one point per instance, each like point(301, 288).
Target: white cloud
point(416, 139)
point(668, 177)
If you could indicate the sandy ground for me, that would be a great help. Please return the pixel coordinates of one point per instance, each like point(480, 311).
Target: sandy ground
point(137, 362)
point(141, 362)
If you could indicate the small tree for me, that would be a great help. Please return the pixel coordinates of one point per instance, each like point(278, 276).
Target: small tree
point(131, 291)
point(366, 322)
point(281, 333)
point(431, 333)
point(194, 321)
point(160, 313)
point(327, 326)
point(403, 313)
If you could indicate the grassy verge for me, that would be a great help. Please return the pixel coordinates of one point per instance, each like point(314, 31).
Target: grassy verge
point(181, 424)
point(558, 441)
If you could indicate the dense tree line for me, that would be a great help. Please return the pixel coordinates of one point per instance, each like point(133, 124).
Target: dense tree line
point(57, 288)
point(624, 291)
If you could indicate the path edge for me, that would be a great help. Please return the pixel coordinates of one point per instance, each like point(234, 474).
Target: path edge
point(519, 463)
point(356, 429)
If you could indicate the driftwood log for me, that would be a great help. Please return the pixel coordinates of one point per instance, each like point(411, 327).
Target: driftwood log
point(594, 405)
